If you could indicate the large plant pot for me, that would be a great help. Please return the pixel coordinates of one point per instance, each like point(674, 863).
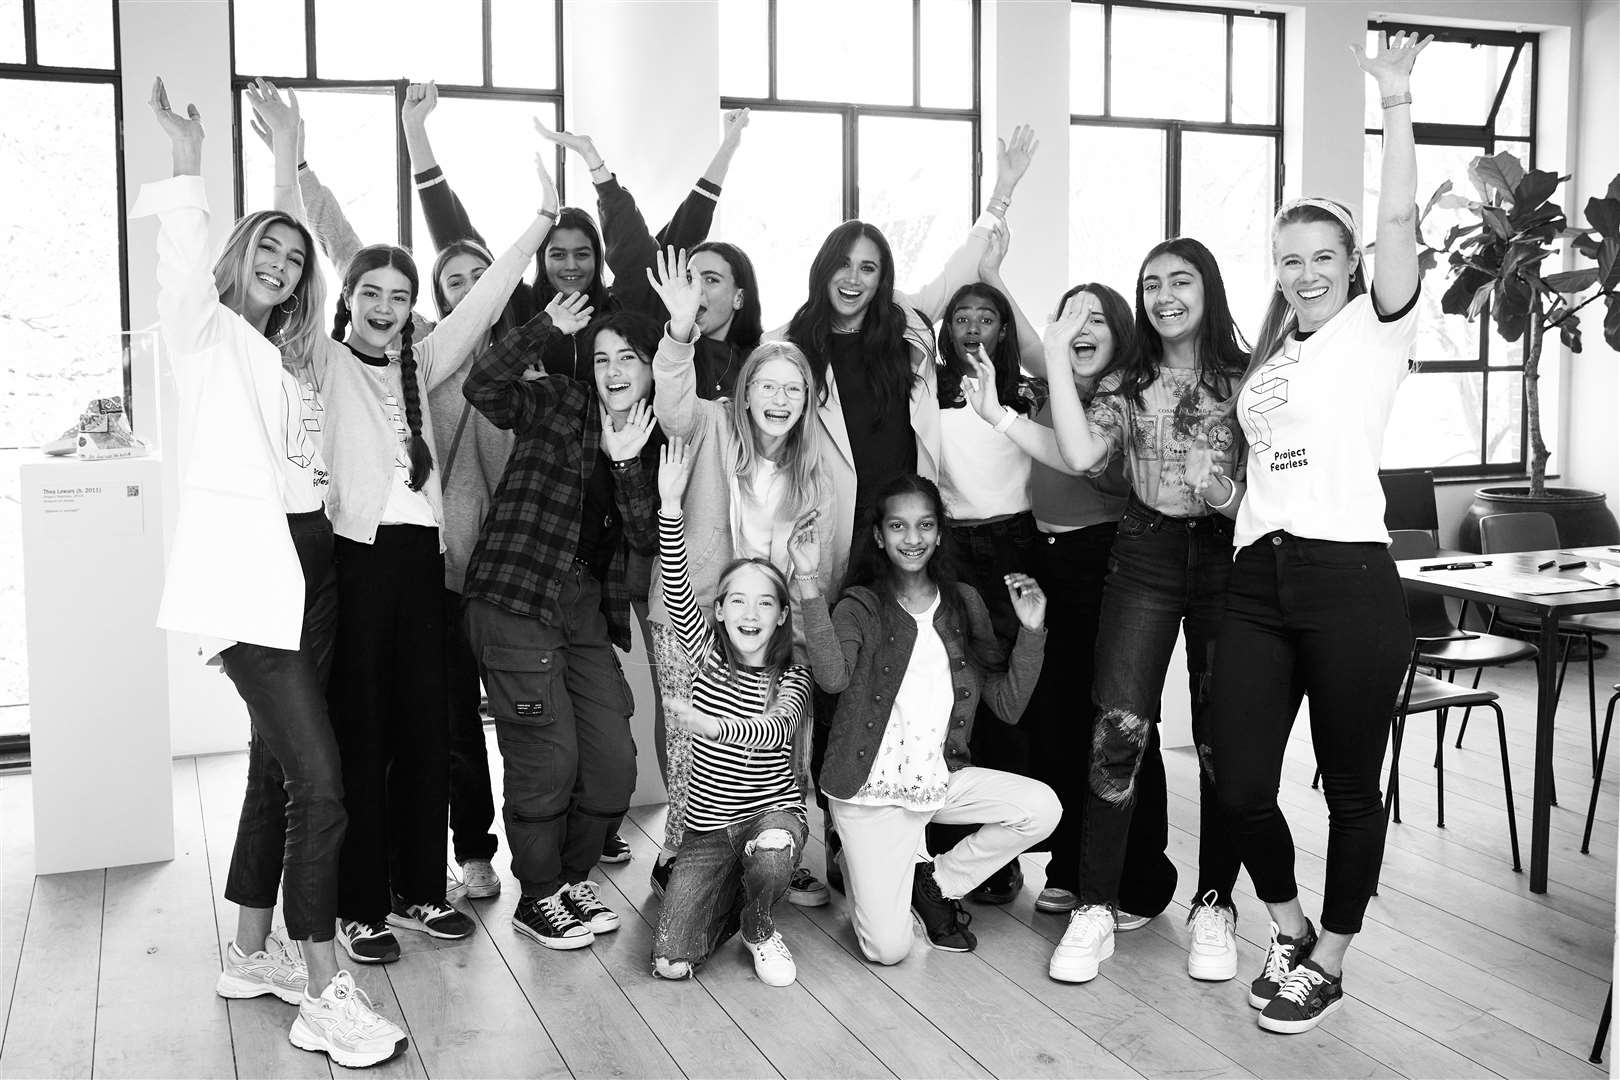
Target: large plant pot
point(1584, 518)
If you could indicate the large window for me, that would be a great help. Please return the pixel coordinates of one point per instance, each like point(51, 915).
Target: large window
point(62, 295)
point(880, 124)
point(497, 63)
point(1473, 93)
point(1176, 130)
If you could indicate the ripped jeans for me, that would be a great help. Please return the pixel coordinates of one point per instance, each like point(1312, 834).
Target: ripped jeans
point(1166, 575)
point(728, 879)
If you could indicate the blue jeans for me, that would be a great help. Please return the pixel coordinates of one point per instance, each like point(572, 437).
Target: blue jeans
point(1166, 575)
point(726, 877)
point(293, 820)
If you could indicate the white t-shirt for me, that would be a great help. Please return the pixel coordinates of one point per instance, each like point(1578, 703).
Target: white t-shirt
point(404, 506)
point(910, 768)
point(983, 474)
point(755, 503)
point(1314, 416)
point(304, 478)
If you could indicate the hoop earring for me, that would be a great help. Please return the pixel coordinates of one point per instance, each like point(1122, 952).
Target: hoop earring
point(284, 309)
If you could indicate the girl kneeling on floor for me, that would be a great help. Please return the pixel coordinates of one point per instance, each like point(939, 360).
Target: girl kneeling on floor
point(745, 821)
point(910, 648)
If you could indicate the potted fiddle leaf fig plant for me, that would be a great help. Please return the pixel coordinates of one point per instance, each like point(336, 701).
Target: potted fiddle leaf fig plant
point(1496, 269)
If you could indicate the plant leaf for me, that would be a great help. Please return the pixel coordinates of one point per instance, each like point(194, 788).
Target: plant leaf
point(1439, 193)
point(1573, 281)
point(1604, 216)
point(1497, 177)
point(1535, 188)
point(1608, 259)
point(1496, 219)
point(1569, 331)
point(1456, 202)
point(1482, 299)
point(1611, 321)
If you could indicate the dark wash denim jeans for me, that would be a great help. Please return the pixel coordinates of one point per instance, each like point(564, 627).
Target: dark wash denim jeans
point(472, 802)
point(292, 821)
point(1167, 575)
point(1324, 620)
point(725, 878)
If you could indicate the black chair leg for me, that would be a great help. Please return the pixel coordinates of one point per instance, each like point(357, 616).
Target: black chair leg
point(1392, 804)
point(1591, 697)
point(1597, 783)
point(1462, 729)
point(1440, 767)
point(1507, 787)
point(1603, 1028)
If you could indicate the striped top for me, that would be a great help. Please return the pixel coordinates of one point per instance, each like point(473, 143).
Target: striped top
point(748, 769)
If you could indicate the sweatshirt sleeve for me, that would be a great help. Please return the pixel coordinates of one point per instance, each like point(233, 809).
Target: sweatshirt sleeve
point(447, 219)
point(327, 221)
point(459, 332)
point(833, 641)
point(675, 390)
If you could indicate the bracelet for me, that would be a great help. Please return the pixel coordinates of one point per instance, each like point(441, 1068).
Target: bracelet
point(542, 212)
point(1397, 99)
point(1230, 496)
point(812, 576)
point(620, 466)
point(303, 166)
point(1008, 418)
point(998, 205)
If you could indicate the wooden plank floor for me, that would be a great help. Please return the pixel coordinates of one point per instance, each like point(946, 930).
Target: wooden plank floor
point(1460, 971)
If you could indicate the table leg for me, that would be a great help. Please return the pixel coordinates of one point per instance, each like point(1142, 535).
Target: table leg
point(1546, 709)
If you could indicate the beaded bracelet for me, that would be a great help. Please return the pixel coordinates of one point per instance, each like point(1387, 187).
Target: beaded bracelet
point(1396, 99)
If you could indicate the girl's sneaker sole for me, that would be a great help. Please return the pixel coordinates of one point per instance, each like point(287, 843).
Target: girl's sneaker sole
point(306, 1038)
point(1298, 1027)
point(578, 941)
point(237, 988)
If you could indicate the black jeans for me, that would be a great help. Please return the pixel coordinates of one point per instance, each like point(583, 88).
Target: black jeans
point(1325, 620)
point(472, 803)
point(390, 711)
point(1168, 575)
point(292, 813)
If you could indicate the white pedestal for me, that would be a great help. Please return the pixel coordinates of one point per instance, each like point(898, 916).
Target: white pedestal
point(97, 663)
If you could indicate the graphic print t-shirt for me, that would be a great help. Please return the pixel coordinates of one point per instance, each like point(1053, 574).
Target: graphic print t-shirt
point(1314, 415)
point(304, 478)
point(1157, 437)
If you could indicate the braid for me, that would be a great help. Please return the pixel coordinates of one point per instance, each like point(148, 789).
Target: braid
point(340, 324)
point(421, 457)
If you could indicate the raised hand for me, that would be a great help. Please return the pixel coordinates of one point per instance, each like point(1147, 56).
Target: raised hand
point(626, 442)
point(804, 544)
point(1058, 338)
point(579, 144)
point(995, 250)
point(420, 101)
point(980, 389)
point(281, 117)
point(1013, 157)
point(677, 288)
point(268, 138)
point(548, 189)
point(1028, 601)
point(1392, 67)
point(179, 129)
point(674, 473)
point(734, 120)
point(569, 314)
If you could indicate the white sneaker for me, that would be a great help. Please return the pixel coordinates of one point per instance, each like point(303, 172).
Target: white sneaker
point(343, 1025)
point(672, 969)
point(1087, 942)
point(454, 887)
point(277, 969)
point(772, 961)
point(1125, 922)
point(482, 882)
point(1212, 954)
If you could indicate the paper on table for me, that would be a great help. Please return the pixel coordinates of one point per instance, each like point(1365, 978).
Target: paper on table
point(1604, 573)
point(1503, 579)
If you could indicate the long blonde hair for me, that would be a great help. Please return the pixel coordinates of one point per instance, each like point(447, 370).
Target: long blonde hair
point(293, 332)
point(800, 459)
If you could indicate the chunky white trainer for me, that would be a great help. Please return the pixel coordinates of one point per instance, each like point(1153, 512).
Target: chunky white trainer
point(277, 969)
point(343, 1025)
point(1212, 953)
point(1087, 942)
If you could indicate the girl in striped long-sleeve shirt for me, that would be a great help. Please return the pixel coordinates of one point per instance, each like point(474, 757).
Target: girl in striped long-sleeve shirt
point(745, 823)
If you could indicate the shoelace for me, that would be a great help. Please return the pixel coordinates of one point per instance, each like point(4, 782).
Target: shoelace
point(1279, 959)
point(774, 946)
point(1209, 926)
point(354, 1003)
point(586, 896)
point(1300, 984)
point(1093, 920)
point(554, 911)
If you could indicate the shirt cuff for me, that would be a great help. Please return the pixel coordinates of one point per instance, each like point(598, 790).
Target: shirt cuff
point(175, 193)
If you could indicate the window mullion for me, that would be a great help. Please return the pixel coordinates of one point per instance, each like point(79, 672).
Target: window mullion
point(852, 149)
point(916, 54)
point(309, 41)
point(1108, 60)
point(1229, 34)
point(488, 15)
point(30, 35)
point(402, 168)
point(1172, 185)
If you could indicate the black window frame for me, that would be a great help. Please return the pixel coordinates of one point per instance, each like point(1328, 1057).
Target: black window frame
point(1482, 137)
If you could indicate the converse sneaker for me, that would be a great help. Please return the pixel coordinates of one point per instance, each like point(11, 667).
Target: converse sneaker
point(672, 969)
point(943, 919)
point(482, 881)
point(615, 850)
point(772, 961)
point(343, 1025)
point(807, 890)
point(1282, 956)
point(1306, 995)
point(661, 870)
point(368, 943)
point(584, 902)
point(277, 969)
point(434, 918)
point(1125, 922)
point(548, 920)
point(1056, 901)
point(1212, 953)
point(1087, 942)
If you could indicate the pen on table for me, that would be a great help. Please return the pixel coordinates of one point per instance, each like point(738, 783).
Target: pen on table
point(1456, 565)
point(1548, 565)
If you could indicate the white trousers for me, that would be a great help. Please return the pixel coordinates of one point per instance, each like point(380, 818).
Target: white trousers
point(882, 845)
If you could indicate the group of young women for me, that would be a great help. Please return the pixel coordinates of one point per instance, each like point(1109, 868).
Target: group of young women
point(851, 543)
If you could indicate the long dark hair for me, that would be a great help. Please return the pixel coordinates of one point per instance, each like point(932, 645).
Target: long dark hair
point(883, 327)
point(366, 260)
point(746, 326)
point(1116, 312)
point(572, 217)
point(1222, 353)
point(954, 367)
point(870, 566)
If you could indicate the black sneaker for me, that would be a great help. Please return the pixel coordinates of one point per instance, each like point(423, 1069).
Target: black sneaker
point(661, 870)
point(368, 943)
point(1001, 886)
point(548, 920)
point(944, 920)
point(835, 872)
point(584, 902)
point(434, 918)
point(614, 849)
point(1307, 995)
point(1282, 956)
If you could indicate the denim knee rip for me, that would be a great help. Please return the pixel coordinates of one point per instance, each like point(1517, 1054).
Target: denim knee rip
point(770, 840)
point(1116, 754)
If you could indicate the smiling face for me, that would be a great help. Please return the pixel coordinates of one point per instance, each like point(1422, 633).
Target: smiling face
point(1093, 348)
point(570, 261)
point(775, 396)
point(854, 283)
point(278, 267)
point(1314, 270)
point(976, 321)
point(623, 377)
point(1173, 294)
point(721, 300)
point(380, 303)
point(458, 275)
point(750, 608)
point(908, 532)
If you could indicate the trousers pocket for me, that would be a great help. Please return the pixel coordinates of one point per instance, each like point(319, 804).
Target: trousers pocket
point(523, 684)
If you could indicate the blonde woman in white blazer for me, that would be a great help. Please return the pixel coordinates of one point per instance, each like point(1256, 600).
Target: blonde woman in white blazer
point(250, 574)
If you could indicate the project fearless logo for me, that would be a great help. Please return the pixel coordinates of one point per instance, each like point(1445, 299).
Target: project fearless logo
point(1289, 459)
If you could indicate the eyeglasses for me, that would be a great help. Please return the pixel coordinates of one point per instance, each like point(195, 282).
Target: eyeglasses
point(793, 391)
